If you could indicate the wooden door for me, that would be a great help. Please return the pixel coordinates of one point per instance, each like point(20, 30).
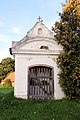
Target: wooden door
point(41, 83)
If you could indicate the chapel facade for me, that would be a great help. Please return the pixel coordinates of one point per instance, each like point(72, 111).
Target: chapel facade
point(36, 71)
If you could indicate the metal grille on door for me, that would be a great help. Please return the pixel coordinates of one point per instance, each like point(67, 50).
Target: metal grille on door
point(41, 84)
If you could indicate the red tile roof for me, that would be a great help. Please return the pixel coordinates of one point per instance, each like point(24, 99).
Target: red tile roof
point(10, 77)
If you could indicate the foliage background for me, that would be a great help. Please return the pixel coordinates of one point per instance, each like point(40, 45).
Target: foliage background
point(6, 66)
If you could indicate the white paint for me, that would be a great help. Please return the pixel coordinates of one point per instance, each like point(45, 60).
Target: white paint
point(27, 53)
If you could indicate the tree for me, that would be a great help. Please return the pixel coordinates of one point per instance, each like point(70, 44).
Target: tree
point(68, 35)
point(6, 66)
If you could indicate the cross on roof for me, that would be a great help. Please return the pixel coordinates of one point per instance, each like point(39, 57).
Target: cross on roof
point(39, 18)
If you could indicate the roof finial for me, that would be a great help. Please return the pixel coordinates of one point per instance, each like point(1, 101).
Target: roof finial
point(39, 18)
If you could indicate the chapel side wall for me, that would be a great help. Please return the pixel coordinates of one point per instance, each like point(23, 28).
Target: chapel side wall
point(58, 93)
point(20, 77)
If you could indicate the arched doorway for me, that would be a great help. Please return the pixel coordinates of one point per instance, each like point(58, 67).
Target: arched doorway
point(41, 82)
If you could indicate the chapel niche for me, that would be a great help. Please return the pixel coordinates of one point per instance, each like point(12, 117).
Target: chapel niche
point(39, 31)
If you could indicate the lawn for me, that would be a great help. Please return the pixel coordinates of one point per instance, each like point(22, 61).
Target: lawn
point(18, 109)
point(5, 90)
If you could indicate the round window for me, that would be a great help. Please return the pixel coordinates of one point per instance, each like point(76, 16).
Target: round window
point(40, 31)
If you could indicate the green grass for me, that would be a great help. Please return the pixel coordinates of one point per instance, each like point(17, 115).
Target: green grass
point(5, 90)
point(18, 109)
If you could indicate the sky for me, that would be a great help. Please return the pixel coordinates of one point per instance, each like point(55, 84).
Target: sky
point(17, 17)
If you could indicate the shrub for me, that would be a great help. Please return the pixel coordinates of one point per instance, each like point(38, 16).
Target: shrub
point(68, 35)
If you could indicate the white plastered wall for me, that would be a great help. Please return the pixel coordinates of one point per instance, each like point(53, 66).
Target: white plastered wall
point(22, 65)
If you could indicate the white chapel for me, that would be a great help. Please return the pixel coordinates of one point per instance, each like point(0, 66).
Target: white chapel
point(36, 71)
